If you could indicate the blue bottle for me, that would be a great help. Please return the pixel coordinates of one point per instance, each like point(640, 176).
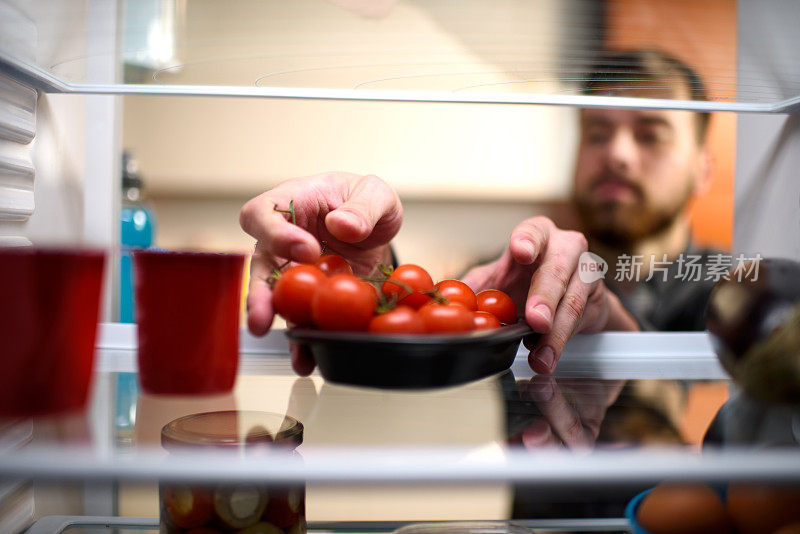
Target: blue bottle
point(137, 227)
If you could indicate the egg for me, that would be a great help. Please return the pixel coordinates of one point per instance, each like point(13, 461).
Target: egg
point(683, 508)
point(756, 509)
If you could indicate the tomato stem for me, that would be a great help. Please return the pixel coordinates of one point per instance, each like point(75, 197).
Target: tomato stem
point(437, 296)
point(277, 272)
point(402, 285)
point(290, 211)
point(386, 270)
point(273, 276)
point(385, 304)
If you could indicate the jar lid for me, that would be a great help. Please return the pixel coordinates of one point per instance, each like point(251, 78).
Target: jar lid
point(232, 429)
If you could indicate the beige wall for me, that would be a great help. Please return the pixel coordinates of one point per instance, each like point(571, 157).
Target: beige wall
point(229, 146)
point(466, 173)
point(214, 146)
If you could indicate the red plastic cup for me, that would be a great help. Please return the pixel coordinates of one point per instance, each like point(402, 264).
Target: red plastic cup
point(187, 309)
point(49, 304)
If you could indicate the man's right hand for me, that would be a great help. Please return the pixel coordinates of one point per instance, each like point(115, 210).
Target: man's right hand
point(539, 270)
point(355, 216)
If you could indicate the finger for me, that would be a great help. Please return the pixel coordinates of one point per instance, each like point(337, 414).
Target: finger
point(368, 201)
point(595, 316)
point(563, 418)
point(606, 393)
point(274, 232)
point(480, 277)
point(302, 359)
point(539, 434)
point(259, 295)
point(552, 277)
point(569, 314)
point(591, 399)
point(530, 239)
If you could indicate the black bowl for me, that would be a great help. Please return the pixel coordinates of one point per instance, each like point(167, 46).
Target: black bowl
point(397, 361)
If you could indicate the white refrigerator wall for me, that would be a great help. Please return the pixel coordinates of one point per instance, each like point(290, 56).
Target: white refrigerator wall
point(52, 152)
point(61, 187)
point(74, 156)
point(58, 157)
point(767, 213)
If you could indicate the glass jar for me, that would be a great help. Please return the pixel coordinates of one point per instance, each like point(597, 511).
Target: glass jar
point(247, 508)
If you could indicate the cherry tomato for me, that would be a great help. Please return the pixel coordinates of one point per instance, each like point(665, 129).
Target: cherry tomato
point(374, 290)
point(484, 320)
point(344, 303)
point(445, 318)
point(416, 279)
point(188, 506)
point(292, 293)
point(401, 320)
point(458, 291)
point(331, 264)
point(498, 304)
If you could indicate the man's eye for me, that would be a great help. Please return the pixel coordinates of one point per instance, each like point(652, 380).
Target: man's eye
point(651, 137)
point(647, 138)
point(596, 137)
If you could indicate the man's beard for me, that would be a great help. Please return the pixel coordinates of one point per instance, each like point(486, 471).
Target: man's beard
point(622, 225)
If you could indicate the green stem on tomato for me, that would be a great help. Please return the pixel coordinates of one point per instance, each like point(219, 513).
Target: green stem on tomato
point(290, 211)
point(405, 287)
point(437, 296)
point(385, 304)
point(386, 270)
point(277, 272)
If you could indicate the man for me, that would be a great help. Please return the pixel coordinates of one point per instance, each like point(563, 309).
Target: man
point(634, 176)
point(636, 173)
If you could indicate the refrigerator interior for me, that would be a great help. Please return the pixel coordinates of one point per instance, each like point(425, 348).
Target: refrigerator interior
point(221, 102)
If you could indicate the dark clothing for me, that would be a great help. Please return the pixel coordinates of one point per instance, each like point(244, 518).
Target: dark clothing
point(674, 305)
point(671, 305)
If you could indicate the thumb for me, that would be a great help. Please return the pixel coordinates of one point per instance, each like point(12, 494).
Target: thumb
point(370, 202)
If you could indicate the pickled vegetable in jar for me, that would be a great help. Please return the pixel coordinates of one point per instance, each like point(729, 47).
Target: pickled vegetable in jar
point(246, 507)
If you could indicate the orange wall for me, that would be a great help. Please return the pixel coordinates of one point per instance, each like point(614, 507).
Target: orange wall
point(703, 34)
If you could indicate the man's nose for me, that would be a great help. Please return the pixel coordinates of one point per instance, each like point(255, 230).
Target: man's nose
point(622, 153)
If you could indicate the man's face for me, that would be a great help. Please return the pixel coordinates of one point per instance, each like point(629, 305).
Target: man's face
point(635, 172)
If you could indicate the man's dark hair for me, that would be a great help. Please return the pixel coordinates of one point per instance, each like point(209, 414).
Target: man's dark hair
point(649, 70)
